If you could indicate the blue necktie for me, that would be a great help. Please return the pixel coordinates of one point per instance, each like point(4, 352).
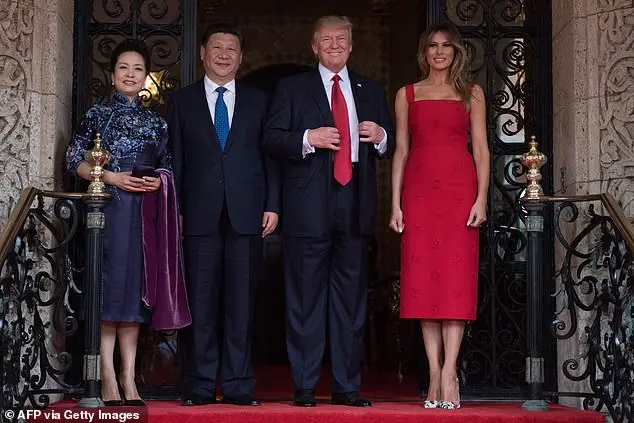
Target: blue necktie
point(221, 118)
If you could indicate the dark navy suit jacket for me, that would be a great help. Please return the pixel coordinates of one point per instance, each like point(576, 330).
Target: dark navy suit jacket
point(205, 175)
point(300, 103)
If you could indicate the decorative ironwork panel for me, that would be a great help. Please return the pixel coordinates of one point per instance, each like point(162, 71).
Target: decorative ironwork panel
point(158, 22)
point(503, 38)
point(36, 282)
point(595, 304)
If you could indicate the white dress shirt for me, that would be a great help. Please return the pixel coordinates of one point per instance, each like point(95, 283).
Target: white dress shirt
point(229, 97)
point(353, 119)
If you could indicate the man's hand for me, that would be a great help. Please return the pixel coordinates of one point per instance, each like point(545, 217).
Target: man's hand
point(324, 137)
point(370, 132)
point(269, 223)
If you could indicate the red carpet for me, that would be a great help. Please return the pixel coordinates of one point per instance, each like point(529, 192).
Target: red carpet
point(381, 412)
point(394, 402)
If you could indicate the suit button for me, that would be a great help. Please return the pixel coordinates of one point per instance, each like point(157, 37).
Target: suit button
point(221, 180)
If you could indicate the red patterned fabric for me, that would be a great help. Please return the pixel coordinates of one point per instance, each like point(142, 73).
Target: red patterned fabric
point(439, 256)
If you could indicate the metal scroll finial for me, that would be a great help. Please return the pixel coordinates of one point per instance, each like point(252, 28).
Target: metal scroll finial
point(98, 158)
point(533, 160)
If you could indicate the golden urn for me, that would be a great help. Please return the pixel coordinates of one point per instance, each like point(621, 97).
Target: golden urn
point(533, 160)
point(98, 158)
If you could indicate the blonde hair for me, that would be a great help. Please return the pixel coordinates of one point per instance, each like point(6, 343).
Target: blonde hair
point(333, 20)
point(459, 72)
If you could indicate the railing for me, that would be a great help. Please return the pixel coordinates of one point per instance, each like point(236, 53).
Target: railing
point(594, 298)
point(36, 285)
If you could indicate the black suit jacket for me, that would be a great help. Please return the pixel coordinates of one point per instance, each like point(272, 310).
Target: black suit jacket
point(205, 175)
point(300, 103)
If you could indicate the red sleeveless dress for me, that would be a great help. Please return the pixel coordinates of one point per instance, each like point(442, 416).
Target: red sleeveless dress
point(439, 253)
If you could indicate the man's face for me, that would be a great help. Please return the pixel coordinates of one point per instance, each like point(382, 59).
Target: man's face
point(332, 45)
point(221, 57)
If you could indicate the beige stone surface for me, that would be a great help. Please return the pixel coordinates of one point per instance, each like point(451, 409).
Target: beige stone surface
point(561, 15)
point(563, 69)
point(593, 124)
point(598, 6)
point(35, 93)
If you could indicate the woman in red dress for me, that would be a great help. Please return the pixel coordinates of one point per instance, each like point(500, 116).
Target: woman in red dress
point(439, 199)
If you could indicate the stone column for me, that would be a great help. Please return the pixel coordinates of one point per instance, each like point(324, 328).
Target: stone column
point(593, 103)
point(36, 70)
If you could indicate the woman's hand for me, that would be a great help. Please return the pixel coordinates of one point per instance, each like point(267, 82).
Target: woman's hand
point(151, 183)
point(396, 221)
point(125, 181)
point(478, 214)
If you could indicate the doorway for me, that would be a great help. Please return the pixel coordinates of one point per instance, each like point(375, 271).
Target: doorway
point(509, 44)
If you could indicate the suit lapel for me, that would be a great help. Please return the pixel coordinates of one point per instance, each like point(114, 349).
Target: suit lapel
point(237, 117)
point(202, 107)
point(358, 93)
point(319, 95)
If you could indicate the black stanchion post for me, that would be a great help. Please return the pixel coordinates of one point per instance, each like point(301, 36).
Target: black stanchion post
point(95, 200)
point(534, 204)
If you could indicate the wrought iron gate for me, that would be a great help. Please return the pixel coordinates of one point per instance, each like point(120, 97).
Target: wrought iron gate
point(509, 43)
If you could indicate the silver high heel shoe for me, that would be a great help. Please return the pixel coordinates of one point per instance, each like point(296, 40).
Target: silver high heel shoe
point(452, 405)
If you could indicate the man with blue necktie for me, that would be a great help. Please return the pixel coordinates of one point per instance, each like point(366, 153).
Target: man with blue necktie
point(229, 197)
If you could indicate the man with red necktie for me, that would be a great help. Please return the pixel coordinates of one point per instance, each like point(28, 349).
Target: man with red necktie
point(327, 127)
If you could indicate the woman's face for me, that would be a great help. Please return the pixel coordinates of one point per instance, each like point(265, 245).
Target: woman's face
point(129, 74)
point(440, 52)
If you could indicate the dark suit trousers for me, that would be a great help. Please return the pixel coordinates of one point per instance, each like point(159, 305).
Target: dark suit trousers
point(222, 266)
point(326, 280)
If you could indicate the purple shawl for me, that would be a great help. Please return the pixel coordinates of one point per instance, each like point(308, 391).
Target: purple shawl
point(164, 288)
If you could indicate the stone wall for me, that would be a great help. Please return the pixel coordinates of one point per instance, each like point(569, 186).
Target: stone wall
point(593, 103)
point(36, 72)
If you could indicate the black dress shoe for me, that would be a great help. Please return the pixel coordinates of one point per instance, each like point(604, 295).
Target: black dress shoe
point(351, 399)
point(113, 403)
point(242, 400)
point(304, 398)
point(192, 400)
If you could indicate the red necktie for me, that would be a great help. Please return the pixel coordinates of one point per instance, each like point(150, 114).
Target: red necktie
point(343, 159)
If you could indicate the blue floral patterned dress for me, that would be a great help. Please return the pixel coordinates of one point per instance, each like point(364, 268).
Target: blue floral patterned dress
point(134, 136)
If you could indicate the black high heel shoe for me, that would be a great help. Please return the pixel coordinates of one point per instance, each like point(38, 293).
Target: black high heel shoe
point(130, 403)
point(113, 403)
point(133, 402)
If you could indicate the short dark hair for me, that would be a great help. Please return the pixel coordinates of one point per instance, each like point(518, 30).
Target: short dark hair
point(130, 44)
point(222, 28)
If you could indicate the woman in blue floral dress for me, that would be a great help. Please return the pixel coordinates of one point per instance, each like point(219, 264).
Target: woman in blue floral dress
point(135, 137)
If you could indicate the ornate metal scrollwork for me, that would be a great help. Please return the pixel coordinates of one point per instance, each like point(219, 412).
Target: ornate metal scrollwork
point(36, 279)
point(502, 38)
point(158, 23)
point(595, 299)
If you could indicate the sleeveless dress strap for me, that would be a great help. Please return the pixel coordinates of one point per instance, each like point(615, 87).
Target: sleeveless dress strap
point(409, 93)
